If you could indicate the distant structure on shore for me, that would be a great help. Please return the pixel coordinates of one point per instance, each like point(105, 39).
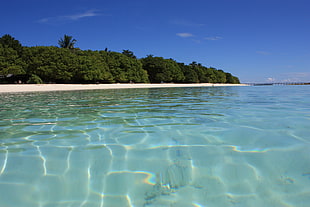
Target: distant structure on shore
point(280, 83)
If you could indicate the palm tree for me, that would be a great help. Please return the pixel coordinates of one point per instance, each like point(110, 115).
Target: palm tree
point(67, 42)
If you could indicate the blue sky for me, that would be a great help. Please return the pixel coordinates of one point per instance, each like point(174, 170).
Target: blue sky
point(256, 40)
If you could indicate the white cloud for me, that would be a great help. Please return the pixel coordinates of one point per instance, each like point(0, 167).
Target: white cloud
point(89, 13)
point(198, 39)
point(184, 35)
point(271, 79)
point(66, 18)
point(213, 38)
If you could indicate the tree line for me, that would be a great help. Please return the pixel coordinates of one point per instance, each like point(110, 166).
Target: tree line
point(67, 64)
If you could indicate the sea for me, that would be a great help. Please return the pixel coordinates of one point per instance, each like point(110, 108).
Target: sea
point(236, 146)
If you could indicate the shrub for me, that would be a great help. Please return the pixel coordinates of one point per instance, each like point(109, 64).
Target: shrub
point(34, 79)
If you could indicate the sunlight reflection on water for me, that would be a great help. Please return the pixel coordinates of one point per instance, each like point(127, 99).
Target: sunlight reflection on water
point(216, 146)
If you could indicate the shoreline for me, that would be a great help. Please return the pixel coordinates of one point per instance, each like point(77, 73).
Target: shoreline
point(18, 88)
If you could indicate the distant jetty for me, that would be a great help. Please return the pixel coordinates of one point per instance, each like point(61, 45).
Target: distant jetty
point(283, 83)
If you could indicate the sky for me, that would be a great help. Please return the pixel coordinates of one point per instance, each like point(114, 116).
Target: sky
point(255, 40)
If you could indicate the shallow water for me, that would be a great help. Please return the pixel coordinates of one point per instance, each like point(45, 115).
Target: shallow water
point(210, 147)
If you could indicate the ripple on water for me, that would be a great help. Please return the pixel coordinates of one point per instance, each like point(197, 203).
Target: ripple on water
point(230, 146)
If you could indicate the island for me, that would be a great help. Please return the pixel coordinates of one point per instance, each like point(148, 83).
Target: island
point(65, 64)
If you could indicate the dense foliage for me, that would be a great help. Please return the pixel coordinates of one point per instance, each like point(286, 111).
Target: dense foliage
point(66, 64)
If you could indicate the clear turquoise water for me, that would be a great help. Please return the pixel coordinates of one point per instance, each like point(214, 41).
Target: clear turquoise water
point(210, 147)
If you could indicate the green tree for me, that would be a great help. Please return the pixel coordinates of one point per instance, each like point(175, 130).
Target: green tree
point(60, 65)
point(189, 73)
point(162, 70)
point(10, 42)
point(201, 72)
point(67, 42)
point(34, 79)
point(231, 79)
point(220, 76)
point(125, 69)
point(10, 62)
point(211, 75)
point(92, 68)
point(52, 64)
point(129, 53)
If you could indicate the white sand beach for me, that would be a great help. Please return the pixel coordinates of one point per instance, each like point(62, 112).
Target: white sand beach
point(16, 88)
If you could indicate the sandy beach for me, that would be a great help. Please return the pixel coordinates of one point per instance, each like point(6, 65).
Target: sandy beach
point(17, 88)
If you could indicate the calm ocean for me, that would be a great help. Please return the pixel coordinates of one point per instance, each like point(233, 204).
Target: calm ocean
point(180, 147)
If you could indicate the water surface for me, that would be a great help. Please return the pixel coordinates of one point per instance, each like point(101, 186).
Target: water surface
point(213, 146)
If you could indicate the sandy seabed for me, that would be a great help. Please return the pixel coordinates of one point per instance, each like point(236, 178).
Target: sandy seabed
point(13, 88)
